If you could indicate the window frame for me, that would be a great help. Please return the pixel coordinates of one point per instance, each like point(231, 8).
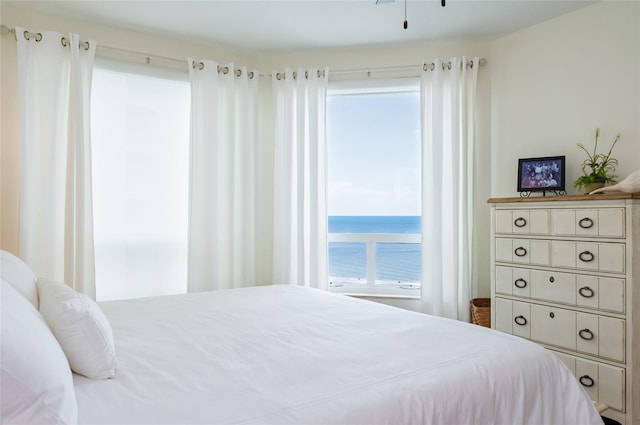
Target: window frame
point(371, 288)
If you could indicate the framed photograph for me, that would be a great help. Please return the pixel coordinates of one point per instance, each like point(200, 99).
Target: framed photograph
point(541, 174)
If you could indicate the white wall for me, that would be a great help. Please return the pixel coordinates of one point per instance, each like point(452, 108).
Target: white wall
point(555, 82)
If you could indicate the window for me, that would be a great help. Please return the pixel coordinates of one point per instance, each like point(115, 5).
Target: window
point(374, 207)
point(140, 148)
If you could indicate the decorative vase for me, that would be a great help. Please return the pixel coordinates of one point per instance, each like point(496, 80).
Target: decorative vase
point(629, 185)
point(590, 187)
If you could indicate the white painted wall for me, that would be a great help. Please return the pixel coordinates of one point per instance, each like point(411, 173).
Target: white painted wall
point(554, 83)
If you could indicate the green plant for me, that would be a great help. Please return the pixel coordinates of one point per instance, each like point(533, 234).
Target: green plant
point(598, 167)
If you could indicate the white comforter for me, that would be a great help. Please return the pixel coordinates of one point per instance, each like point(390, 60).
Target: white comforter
point(289, 355)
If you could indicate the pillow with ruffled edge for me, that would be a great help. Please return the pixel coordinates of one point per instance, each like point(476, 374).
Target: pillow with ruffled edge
point(36, 382)
point(16, 272)
point(81, 328)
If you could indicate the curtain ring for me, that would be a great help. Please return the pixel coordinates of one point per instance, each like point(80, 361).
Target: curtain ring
point(27, 35)
point(64, 42)
point(86, 45)
point(306, 75)
point(429, 66)
point(251, 75)
point(225, 70)
point(295, 75)
point(238, 72)
point(199, 65)
point(449, 65)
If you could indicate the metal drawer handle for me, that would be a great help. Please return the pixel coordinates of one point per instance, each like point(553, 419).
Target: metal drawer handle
point(586, 292)
point(520, 222)
point(586, 380)
point(586, 334)
point(586, 256)
point(520, 283)
point(520, 251)
point(552, 279)
point(586, 223)
point(520, 320)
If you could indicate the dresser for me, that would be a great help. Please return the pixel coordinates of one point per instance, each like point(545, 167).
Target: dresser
point(565, 273)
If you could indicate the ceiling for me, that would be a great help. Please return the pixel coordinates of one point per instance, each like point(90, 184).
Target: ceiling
point(279, 25)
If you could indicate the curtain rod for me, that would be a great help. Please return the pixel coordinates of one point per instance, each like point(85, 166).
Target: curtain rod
point(149, 56)
point(482, 62)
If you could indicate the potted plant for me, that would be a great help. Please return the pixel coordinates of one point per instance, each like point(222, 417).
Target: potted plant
point(598, 168)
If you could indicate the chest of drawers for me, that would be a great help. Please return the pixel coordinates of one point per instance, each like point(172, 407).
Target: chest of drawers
point(565, 273)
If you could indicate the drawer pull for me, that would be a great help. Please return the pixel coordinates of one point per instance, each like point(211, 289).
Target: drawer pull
point(586, 292)
point(586, 334)
point(520, 320)
point(586, 380)
point(586, 223)
point(520, 283)
point(520, 222)
point(552, 315)
point(586, 256)
point(520, 251)
point(552, 279)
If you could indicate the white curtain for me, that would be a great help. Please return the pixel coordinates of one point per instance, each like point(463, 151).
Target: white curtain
point(56, 226)
point(300, 170)
point(448, 103)
point(222, 179)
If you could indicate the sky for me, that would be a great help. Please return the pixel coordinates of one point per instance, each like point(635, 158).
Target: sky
point(373, 150)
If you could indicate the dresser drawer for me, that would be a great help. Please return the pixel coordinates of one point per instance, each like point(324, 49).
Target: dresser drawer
point(523, 222)
point(603, 383)
point(512, 317)
point(567, 288)
point(593, 256)
point(523, 251)
point(582, 332)
point(600, 222)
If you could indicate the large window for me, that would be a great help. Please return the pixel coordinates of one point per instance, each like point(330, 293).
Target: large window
point(140, 148)
point(373, 138)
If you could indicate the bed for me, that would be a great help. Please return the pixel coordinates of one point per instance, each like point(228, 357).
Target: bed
point(292, 355)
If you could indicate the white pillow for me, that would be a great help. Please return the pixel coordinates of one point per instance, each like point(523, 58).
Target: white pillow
point(81, 328)
point(37, 385)
point(16, 272)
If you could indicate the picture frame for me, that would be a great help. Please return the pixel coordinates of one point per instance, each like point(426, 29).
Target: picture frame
point(542, 174)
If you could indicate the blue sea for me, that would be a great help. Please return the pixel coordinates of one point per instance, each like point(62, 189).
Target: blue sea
point(397, 262)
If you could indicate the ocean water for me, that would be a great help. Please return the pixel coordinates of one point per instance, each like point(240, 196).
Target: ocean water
point(395, 262)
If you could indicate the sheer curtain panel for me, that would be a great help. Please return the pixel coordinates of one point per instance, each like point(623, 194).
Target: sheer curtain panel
point(222, 192)
point(300, 173)
point(56, 228)
point(448, 103)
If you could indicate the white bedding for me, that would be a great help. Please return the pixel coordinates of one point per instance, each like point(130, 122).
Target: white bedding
point(290, 355)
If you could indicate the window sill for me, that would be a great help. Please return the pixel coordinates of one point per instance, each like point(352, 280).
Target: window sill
point(377, 291)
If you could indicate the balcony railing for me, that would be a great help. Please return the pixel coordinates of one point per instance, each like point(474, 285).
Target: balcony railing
point(371, 239)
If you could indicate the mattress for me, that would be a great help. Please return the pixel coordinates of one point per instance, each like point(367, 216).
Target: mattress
point(292, 355)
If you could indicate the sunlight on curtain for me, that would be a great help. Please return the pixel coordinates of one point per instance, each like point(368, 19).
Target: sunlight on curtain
point(300, 174)
point(140, 122)
point(222, 215)
point(448, 107)
point(54, 78)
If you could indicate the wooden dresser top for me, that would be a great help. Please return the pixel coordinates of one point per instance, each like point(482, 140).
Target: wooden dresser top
point(539, 198)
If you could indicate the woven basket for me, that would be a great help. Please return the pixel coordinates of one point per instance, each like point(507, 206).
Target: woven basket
point(481, 311)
